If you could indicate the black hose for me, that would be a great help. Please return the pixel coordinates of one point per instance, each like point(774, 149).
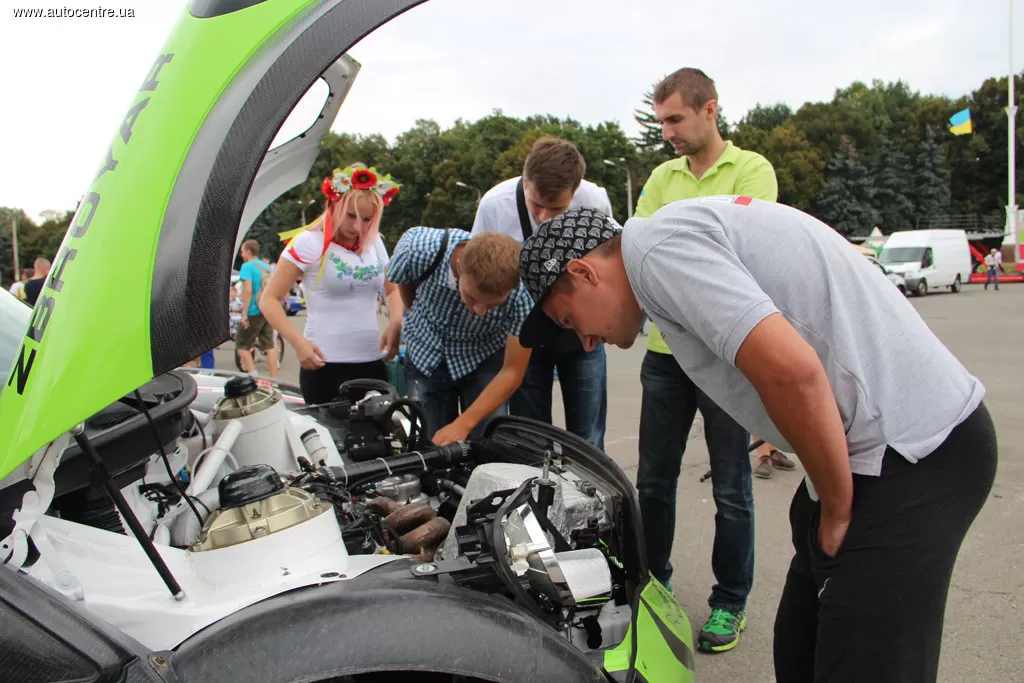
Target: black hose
point(432, 458)
point(417, 437)
point(163, 455)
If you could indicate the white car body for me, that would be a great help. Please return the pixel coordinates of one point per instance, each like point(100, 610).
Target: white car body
point(928, 259)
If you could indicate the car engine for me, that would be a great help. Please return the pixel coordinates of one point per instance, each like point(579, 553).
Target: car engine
point(250, 493)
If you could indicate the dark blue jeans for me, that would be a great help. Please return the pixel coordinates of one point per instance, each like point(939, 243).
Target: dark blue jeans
point(584, 380)
point(993, 274)
point(443, 398)
point(670, 401)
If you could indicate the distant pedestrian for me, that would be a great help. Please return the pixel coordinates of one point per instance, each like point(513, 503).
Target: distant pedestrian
point(18, 288)
point(255, 330)
point(35, 286)
point(994, 262)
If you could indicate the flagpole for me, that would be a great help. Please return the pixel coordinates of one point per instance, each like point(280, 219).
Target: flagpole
point(1011, 148)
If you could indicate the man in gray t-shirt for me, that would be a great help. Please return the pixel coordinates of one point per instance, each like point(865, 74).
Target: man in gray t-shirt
point(784, 325)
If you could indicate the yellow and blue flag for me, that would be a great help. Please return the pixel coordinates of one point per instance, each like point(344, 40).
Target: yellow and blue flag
point(960, 123)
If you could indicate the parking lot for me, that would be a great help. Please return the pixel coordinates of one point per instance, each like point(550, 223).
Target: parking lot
point(984, 625)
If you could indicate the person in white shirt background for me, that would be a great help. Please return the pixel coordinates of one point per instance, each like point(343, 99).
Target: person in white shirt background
point(993, 262)
point(552, 183)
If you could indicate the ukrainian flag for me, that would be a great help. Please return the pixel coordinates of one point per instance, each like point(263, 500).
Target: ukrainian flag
point(960, 123)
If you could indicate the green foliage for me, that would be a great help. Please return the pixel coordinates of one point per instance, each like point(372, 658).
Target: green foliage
point(931, 178)
point(894, 185)
point(34, 241)
point(820, 152)
point(847, 200)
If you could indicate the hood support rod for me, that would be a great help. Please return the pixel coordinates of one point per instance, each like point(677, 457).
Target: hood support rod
point(100, 476)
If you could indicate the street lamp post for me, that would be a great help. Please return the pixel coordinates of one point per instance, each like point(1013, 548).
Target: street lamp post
point(14, 246)
point(629, 184)
point(303, 206)
point(459, 183)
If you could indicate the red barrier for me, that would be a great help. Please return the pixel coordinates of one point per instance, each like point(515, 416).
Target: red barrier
point(979, 278)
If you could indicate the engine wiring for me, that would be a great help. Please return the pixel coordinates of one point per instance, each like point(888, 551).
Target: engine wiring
point(163, 456)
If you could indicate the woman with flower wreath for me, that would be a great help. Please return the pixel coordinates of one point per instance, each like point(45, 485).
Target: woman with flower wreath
point(343, 256)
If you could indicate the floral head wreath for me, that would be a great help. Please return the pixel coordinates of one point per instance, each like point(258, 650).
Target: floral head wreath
point(359, 177)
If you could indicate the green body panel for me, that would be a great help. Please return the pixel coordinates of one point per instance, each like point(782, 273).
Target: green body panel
point(88, 343)
point(664, 640)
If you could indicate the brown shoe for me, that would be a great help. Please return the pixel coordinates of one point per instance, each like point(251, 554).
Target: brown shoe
point(764, 467)
point(780, 461)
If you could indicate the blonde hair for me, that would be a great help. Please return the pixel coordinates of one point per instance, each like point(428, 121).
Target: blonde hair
point(368, 239)
point(492, 259)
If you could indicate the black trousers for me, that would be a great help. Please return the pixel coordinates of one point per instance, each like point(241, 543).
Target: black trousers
point(321, 386)
point(874, 612)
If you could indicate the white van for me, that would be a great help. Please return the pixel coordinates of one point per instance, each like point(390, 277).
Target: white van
point(928, 259)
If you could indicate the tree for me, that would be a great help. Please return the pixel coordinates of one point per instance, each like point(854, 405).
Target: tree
point(894, 186)
point(931, 178)
point(25, 257)
point(799, 169)
point(847, 198)
point(768, 117)
point(650, 139)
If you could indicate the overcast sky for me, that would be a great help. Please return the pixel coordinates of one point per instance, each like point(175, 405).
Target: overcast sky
point(67, 83)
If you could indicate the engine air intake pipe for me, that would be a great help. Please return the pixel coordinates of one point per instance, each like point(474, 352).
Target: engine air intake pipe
point(432, 458)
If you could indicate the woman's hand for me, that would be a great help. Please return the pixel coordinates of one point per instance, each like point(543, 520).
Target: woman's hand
point(389, 340)
point(310, 356)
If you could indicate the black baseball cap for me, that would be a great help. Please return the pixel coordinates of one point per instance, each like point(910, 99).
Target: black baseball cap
point(545, 256)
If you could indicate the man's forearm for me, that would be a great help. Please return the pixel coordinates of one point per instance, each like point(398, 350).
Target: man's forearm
point(804, 409)
point(499, 390)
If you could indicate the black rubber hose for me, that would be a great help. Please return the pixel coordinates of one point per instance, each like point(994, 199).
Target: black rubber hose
point(418, 438)
point(439, 457)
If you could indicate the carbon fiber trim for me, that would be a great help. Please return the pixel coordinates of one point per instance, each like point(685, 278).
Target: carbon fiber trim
point(207, 9)
point(191, 303)
point(623, 676)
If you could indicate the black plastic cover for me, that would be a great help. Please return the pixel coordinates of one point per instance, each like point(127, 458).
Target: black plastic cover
point(237, 387)
point(123, 436)
point(249, 484)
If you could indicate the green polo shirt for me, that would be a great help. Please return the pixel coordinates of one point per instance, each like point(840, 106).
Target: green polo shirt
point(737, 171)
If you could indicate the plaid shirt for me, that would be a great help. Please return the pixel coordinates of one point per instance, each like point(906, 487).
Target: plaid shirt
point(439, 327)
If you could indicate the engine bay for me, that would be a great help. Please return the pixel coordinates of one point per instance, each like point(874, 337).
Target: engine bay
point(250, 493)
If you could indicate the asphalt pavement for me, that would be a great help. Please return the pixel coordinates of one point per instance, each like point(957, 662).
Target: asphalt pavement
point(984, 629)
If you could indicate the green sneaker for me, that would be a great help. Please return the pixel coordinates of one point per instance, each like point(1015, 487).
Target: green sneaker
point(721, 631)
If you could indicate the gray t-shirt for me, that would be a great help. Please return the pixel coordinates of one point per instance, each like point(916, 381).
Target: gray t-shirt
point(708, 270)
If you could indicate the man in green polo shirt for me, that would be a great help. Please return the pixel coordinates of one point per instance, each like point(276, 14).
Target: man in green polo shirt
point(686, 104)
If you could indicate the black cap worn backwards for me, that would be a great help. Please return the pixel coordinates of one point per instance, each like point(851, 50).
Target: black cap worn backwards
point(545, 256)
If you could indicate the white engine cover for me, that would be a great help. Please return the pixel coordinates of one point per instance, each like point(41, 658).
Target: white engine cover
point(216, 583)
point(263, 439)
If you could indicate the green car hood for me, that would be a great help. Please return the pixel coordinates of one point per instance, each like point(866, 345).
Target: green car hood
point(140, 283)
